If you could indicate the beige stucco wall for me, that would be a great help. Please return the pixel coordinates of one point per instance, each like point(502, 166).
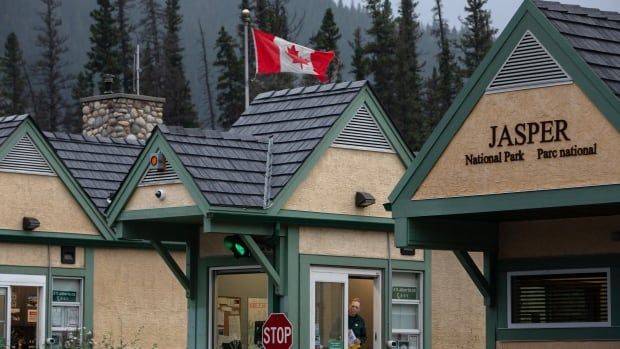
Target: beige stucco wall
point(586, 126)
point(559, 345)
point(144, 197)
point(133, 290)
point(457, 305)
point(32, 255)
point(558, 237)
point(331, 184)
point(45, 198)
point(350, 243)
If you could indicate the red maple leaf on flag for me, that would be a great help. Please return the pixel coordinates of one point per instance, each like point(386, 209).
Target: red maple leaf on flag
point(292, 52)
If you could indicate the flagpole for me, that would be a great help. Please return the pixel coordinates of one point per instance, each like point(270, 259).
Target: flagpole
point(245, 13)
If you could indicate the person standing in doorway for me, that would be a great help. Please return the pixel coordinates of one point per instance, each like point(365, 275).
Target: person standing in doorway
point(356, 322)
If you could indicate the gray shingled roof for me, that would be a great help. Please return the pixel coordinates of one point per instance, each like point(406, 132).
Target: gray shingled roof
point(99, 164)
point(228, 167)
point(594, 34)
point(297, 119)
point(8, 124)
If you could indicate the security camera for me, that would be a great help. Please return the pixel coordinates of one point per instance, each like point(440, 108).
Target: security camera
point(160, 194)
point(391, 344)
point(50, 341)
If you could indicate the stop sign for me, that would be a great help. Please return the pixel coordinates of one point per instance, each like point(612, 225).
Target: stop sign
point(277, 332)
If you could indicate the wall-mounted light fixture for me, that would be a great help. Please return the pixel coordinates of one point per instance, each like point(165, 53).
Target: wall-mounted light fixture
point(30, 223)
point(363, 199)
point(158, 161)
point(67, 254)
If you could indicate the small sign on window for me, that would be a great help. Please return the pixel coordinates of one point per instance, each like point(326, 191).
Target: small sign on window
point(64, 296)
point(406, 293)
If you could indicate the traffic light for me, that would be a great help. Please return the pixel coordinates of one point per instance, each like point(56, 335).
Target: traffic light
point(236, 245)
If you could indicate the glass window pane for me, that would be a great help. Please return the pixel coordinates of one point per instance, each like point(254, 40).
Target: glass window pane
point(406, 286)
point(328, 310)
point(240, 309)
point(405, 316)
point(67, 290)
point(557, 298)
point(2, 317)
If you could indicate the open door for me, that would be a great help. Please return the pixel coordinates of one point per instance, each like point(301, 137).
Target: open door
point(328, 309)
point(4, 316)
point(22, 311)
point(330, 296)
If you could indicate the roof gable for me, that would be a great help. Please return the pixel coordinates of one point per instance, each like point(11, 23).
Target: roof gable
point(24, 126)
point(528, 17)
point(365, 99)
point(156, 143)
point(297, 119)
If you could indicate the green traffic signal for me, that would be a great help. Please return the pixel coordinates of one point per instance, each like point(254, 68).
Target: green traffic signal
point(236, 246)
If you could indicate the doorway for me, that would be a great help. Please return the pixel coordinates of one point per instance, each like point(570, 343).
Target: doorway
point(331, 293)
point(22, 308)
point(239, 299)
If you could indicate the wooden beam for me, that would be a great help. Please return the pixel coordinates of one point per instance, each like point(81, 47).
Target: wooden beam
point(262, 260)
point(475, 274)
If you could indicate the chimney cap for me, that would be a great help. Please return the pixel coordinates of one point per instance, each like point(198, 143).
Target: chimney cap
point(108, 81)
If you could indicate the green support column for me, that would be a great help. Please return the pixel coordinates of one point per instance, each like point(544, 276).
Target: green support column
point(290, 303)
point(490, 261)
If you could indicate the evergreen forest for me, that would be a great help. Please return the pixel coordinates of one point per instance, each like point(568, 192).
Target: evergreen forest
point(54, 52)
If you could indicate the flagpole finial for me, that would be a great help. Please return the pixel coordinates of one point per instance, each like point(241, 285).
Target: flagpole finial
point(245, 14)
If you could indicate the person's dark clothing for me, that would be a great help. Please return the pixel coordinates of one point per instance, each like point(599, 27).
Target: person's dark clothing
point(356, 323)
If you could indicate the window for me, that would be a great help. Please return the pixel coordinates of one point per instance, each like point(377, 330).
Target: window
point(66, 308)
point(567, 298)
point(240, 307)
point(406, 309)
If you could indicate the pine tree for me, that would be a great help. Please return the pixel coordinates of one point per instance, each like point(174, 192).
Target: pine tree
point(408, 86)
point(432, 105)
point(477, 38)
point(12, 81)
point(178, 109)
point(206, 77)
point(151, 76)
point(125, 29)
point(326, 39)
point(382, 51)
point(104, 56)
point(448, 82)
point(359, 61)
point(49, 68)
point(82, 87)
point(230, 99)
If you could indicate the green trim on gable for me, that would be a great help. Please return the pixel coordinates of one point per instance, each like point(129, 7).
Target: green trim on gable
point(302, 218)
point(181, 213)
point(528, 17)
point(586, 197)
point(155, 143)
point(365, 97)
point(28, 127)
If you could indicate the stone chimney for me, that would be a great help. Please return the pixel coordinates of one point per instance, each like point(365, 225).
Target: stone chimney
point(121, 115)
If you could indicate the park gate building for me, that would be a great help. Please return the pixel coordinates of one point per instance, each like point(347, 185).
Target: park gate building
point(132, 237)
point(524, 168)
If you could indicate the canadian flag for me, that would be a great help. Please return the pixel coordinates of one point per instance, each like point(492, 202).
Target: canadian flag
point(276, 55)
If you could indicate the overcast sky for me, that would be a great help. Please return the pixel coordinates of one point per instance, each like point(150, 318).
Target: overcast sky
point(501, 10)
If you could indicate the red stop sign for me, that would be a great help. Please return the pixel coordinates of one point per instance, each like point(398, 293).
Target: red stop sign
point(277, 332)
